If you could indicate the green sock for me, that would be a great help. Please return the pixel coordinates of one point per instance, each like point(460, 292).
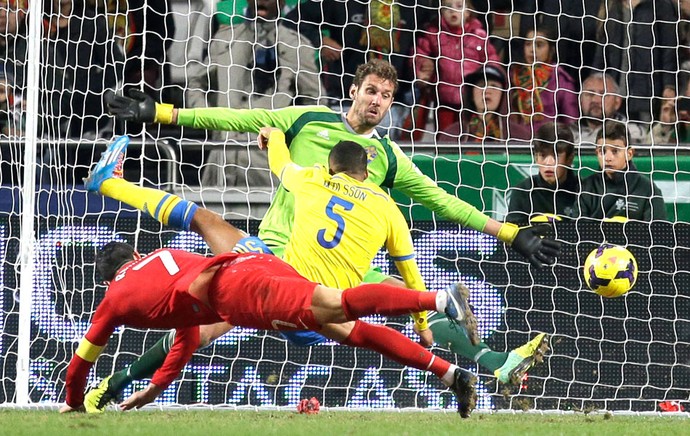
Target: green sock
point(448, 334)
point(144, 367)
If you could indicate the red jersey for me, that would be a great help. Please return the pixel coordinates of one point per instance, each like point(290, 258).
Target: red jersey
point(149, 293)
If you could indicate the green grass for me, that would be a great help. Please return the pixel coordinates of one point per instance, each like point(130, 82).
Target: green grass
point(222, 422)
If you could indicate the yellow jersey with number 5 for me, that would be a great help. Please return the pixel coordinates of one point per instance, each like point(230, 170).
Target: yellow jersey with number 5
point(339, 225)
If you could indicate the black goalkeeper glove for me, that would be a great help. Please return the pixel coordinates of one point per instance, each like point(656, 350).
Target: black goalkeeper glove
point(139, 107)
point(531, 242)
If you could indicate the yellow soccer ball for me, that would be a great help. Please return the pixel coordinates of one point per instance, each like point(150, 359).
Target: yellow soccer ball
point(610, 270)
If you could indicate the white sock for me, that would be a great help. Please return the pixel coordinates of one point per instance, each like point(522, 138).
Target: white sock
point(449, 377)
point(441, 299)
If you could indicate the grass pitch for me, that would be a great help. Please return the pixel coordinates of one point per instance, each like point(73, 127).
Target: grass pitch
point(209, 423)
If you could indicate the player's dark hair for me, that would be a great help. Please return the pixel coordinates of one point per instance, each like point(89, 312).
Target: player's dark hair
point(347, 157)
point(614, 130)
point(111, 258)
point(378, 67)
point(554, 136)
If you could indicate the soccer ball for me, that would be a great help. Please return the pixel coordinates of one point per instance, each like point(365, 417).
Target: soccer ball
point(610, 270)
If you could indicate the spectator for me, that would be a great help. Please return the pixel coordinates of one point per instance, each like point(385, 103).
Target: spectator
point(638, 45)
point(576, 21)
point(684, 40)
point(554, 190)
point(349, 33)
point(81, 62)
point(145, 29)
point(13, 48)
point(11, 106)
point(446, 54)
point(235, 11)
point(672, 125)
point(618, 190)
point(11, 129)
point(542, 91)
point(484, 117)
point(13, 34)
point(13, 54)
point(258, 63)
point(601, 99)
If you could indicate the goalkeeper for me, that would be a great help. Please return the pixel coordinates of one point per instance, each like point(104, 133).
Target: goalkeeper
point(311, 132)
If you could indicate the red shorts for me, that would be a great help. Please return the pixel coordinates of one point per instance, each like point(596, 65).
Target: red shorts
point(263, 292)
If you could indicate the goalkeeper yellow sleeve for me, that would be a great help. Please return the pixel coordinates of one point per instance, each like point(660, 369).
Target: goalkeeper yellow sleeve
point(508, 232)
point(278, 153)
point(164, 113)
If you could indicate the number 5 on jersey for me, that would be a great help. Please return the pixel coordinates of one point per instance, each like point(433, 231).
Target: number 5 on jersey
point(332, 214)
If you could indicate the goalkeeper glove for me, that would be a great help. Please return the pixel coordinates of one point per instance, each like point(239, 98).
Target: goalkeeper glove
point(139, 107)
point(531, 242)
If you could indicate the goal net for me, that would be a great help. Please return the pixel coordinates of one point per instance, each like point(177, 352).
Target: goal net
point(629, 354)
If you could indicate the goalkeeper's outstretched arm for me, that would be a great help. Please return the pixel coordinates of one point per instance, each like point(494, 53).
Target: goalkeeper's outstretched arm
point(141, 108)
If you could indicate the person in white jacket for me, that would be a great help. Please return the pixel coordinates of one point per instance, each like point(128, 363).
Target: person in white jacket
point(258, 63)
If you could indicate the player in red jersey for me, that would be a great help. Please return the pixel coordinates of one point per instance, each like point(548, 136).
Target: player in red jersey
point(180, 290)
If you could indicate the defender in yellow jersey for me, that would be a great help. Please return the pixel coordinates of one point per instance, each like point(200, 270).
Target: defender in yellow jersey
point(341, 221)
point(331, 203)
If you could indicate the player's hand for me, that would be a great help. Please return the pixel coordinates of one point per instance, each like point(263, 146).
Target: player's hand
point(532, 242)
point(264, 135)
point(138, 107)
point(141, 398)
point(426, 338)
point(70, 409)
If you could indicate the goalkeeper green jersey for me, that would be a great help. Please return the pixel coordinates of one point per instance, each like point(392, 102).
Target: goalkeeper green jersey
point(311, 132)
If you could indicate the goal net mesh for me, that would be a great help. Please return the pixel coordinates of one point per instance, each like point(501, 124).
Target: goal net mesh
point(628, 354)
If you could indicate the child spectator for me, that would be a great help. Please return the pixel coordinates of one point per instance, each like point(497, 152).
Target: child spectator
point(552, 191)
point(542, 91)
point(448, 53)
point(618, 190)
point(484, 117)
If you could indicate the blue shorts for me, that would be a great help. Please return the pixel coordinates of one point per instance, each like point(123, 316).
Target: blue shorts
point(303, 338)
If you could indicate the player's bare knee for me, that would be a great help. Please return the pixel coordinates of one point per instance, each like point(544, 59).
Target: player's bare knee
point(204, 338)
point(338, 332)
point(334, 298)
point(327, 305)
point(209, 333)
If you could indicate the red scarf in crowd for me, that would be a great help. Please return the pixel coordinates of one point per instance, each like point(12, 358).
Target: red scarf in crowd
point(480, 127)
point(530, 83)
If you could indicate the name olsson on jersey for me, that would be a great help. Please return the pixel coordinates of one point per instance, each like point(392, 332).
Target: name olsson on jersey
point(345, 189)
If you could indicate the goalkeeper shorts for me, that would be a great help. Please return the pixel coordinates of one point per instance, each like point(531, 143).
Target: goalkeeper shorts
point(303, 338)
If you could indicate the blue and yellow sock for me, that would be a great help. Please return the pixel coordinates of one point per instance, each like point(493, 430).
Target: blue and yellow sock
point(166, 208)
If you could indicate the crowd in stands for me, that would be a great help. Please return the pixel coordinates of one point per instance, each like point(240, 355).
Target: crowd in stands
point(470, 71)
point(617, 191)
